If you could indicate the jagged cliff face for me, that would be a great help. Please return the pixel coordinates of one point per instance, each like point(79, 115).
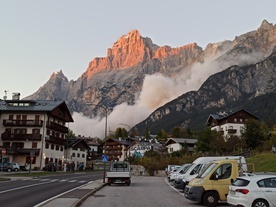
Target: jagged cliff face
point(252, 87)
point(119, 77)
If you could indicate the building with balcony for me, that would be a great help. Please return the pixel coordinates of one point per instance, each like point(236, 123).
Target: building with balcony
point(34, 131)
point(231, 124)
point(116, 149)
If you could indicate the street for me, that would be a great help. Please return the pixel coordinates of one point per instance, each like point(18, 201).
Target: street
point(27, 192)
point(143, 191)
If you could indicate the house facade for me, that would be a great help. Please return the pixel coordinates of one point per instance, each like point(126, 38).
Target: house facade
point(176, 144)
point(230, 124)
point(116, 149)
point(33, 132)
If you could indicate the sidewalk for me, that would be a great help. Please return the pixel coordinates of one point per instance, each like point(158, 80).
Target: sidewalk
point(76, 196)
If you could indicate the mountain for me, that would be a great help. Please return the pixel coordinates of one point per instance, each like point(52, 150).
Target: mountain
point(251, 87)
point(120, 76)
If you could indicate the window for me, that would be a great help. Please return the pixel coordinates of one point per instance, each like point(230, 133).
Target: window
point(36, 131)
point(52, 146)
point(47, 146)
point(83, 156)
point(78, 154)
point(73, 154)
point(57, 147)
point(34, 144)
point(223, 171)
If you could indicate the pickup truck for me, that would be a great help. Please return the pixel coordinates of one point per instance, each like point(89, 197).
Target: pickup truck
point(119, 172)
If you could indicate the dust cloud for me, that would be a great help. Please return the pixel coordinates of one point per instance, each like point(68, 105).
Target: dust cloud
point(157, 90)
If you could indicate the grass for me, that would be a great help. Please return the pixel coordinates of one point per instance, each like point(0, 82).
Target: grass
point(263, 162)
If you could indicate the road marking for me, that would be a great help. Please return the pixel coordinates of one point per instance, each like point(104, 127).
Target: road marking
point(50, 199)
point(27, 186)
point(174, 188)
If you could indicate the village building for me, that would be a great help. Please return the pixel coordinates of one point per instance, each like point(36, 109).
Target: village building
point(33, 131)
point(231, 124)
point(177, 144)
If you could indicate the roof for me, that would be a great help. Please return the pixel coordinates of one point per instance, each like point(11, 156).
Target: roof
point(73, 142)
point(181, 141)
point(224, 115)
point(33, 106)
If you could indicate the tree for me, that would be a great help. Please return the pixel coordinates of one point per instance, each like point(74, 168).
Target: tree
point(205, 137)
point(254, 133)
point(178, 132)
point(70, 134)
point(124, 132)
point(162, 135)
point(118, 133)
point(147, 133)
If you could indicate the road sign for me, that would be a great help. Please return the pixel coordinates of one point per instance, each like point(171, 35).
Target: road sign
point(104, 158)
point(4, 151)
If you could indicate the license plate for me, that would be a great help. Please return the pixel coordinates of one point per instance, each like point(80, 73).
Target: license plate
point(232, 192)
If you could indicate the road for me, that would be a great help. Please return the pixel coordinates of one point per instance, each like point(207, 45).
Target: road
point(26, 192)
point(143, 192)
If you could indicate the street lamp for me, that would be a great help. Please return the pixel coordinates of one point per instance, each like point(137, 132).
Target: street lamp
point(105, 132)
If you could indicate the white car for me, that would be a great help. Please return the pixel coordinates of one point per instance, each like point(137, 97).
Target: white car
point(178, 172)
point(253, 191)
point(16, 166)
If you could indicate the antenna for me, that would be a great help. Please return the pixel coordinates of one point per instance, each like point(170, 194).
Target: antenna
point(5, 97)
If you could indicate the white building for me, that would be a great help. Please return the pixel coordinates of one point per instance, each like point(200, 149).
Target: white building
point(229, 124)
point(34, 130)
point(177, 144)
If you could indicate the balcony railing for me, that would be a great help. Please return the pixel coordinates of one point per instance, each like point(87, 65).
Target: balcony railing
point(232, 131)
point(25, 123)
point(55, 140)
point(57, 127)
point(20, 137)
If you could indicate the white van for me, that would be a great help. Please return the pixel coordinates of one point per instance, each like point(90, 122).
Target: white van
point(201, 163)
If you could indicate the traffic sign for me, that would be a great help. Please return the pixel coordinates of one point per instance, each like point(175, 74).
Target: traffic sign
point(104, 158)
point(3, 151)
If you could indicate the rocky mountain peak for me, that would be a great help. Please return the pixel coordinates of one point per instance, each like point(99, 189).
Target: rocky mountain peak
point(265, 25)
point(130, 50)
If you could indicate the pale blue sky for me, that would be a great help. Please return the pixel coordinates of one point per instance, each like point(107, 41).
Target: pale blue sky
point(38, 38)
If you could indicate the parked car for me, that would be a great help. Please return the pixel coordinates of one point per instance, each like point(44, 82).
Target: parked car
point(178, 172)
point(6, 167)
point(16, 166)
point(254, 191)
point(50, 167)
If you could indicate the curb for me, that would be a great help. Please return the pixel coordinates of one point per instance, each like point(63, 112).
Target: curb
point(83, 198)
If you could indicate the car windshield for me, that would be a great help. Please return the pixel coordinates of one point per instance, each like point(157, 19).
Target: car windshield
point(207, 170)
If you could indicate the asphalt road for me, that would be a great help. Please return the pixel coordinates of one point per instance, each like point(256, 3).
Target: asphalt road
point(26, 192)
point(143, 192)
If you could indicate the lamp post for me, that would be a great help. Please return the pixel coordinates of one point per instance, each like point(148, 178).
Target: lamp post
point(105, 132)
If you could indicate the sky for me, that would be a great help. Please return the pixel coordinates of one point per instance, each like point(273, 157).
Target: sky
point(39, 38)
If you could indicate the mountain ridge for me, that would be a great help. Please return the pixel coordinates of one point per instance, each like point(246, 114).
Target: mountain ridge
point(120, 76)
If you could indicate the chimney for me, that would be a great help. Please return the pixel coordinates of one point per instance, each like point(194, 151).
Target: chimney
point(16, 96)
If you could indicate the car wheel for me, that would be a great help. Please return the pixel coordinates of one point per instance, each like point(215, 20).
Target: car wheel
point(16, 170)
point(260, 203)
point(9, 170)
point(210, 199)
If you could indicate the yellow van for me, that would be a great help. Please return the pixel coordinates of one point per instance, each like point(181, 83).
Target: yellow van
point(212, 185)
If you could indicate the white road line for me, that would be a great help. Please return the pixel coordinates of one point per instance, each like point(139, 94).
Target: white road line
point(174, 188)
point(27, 186)
point(48, 200)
